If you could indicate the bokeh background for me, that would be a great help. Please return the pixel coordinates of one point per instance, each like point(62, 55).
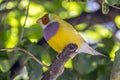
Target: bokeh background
point(98, 21)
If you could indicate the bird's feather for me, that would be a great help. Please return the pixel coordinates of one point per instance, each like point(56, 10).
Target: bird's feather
point(51, 30)
point(87, 49)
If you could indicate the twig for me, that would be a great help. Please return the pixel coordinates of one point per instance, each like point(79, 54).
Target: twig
point(57, 66)
point(114, 6)
point(28, 53)
point(23, 29)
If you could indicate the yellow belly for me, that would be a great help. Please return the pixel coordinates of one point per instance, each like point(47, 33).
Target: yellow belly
point(63, 37)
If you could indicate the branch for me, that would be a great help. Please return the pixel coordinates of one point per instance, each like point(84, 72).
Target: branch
point(26, 52)
point(57, 67)
point(94, 17)
point(115, 75)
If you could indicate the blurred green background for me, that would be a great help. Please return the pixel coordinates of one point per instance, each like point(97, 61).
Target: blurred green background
point(82, 67)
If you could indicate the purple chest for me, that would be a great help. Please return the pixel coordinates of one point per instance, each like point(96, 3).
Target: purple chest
point(50, 30)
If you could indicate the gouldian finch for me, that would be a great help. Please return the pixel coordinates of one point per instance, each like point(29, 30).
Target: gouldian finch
point(59, 33)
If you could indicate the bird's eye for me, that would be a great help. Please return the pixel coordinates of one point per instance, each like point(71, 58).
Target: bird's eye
point(45, 19)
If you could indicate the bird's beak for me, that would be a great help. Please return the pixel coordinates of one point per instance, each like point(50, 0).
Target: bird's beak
point(39, 21)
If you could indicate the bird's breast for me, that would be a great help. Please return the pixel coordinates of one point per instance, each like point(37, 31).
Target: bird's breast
point(50, 30)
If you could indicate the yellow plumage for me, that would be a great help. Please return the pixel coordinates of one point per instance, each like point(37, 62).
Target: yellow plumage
point(65, 35)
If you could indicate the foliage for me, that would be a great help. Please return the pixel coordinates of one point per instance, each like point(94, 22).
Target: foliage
point(82, 67)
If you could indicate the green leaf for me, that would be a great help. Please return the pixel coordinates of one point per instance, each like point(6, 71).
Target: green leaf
point(34, 70)
point(108, 44)
point(84, 63)
point(47, 55)
point(2, 38)
point(35, 49)
point(3, 55)
point(6, 64)
point(68, 74)
point(4, 75)
point(113, 2)
point(104, 77)
point(34, 32)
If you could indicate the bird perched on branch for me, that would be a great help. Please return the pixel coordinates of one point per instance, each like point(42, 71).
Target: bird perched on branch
point(59, 33)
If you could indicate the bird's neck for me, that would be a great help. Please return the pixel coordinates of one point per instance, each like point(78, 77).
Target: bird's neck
point(50, 30)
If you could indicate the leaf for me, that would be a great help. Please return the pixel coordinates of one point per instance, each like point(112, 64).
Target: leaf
point(108, 44)
point(34, 70)
point(104, 77)
point(3, 55)
point(6, 64)
point(47, 55)
point(35, 49)
point(2, 38)
point(113, 2)
point(68, 75)
point(34, 32)
point(4, 75)
point(84, 63)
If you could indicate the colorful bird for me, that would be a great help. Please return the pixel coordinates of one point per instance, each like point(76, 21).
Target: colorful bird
point(58, 34)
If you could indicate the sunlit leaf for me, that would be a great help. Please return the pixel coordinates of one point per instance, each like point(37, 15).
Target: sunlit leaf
point(81, 26)
point(117, 21)
point(35, 9)
point(72, 7)
point(13, 39)
point(11, 4)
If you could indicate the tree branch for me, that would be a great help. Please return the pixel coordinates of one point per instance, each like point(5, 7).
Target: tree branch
point(57, 67)
point(94, 17)
point(115, 75)
point(28, 53)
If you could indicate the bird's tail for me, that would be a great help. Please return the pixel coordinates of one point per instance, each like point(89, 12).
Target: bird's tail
point(85, 48)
